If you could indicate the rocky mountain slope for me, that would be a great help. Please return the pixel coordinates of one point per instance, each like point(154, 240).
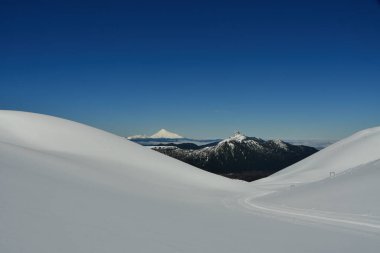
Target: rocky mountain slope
point(242, 157)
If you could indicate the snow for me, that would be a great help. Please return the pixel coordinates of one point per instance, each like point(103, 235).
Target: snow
point(337, 185)
point(239, 137)
point(236, 137)
point(280, 144)
point(356, 193)
point(162, 134)
point(348, 201)
point(358, 149)
point(67, 187)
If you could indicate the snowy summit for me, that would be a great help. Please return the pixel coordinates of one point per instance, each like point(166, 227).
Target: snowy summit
point(165, 134)
point(237, 137)
point(162, 134)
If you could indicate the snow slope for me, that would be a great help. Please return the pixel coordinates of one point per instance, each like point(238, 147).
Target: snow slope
point(63, 138)
point(358, 149)
point(347, 197)
point(357, 192)
point(67, 187)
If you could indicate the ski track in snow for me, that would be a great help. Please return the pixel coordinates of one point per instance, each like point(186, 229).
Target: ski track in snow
point(329, 218)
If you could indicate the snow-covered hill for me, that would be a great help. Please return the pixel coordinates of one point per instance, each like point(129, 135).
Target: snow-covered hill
point(67, 187)
point(361, 148)
point(337, 185)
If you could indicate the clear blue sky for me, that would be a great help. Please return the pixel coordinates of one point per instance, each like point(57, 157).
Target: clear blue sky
point(279, 69)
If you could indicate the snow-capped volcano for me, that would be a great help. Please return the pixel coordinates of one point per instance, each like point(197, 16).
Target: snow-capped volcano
point(162, 134)
point(165, 134)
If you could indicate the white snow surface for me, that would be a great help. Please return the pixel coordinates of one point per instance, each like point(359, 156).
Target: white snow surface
point(67, 187)
point(361, 148)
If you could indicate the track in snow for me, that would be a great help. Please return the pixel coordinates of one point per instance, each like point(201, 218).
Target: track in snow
point(366, 223)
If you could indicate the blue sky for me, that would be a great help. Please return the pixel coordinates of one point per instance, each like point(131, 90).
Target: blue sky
point(274, 69)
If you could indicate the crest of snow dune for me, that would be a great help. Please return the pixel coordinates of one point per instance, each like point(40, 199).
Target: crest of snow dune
point(165, 134)
point(51, 135)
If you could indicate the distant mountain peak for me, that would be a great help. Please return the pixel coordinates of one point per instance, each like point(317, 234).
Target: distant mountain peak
point(239, 156)
point(165, 134)
point(162, 134)
point(237, 136)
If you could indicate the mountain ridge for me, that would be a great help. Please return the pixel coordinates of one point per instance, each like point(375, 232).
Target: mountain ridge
point(239, 156)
